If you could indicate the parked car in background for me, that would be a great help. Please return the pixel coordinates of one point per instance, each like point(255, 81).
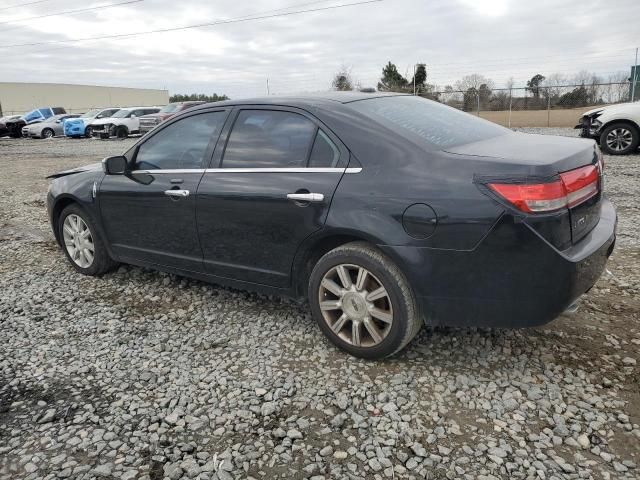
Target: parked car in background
point(149, 122)
point(51, 127)
point(4, 131)
point(81, 126)
point(385, 211)
point(34, 116)
point(124, 122)
point(616, 127)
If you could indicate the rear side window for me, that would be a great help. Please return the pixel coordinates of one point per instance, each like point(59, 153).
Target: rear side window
point(421, 119)
point(324, 153)
point(181, 145)
point(269, 139)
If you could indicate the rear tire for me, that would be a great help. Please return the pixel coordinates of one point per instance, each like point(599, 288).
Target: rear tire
point(619, 138)
point(363, 302)
point(85, 251)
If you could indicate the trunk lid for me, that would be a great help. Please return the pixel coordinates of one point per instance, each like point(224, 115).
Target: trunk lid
point(529, 158)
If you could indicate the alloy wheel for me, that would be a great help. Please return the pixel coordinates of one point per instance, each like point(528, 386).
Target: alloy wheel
point(619, 139)
point(355, 305)
point(78, 241)
point(47, 133)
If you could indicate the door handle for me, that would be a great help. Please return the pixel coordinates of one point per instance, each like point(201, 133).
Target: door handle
point(305, 197)
point(177, 193)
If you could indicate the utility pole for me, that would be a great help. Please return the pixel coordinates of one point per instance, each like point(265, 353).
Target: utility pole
point(634, 77)
point(268, 88)
point(415, 65)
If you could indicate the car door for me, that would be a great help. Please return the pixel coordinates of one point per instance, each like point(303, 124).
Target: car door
point(276, 172)
point(149, 213)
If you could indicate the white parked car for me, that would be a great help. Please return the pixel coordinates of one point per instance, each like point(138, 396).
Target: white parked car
point(124, 122)
point(616, 127)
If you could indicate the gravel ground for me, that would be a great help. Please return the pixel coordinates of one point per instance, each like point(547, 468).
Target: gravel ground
point(143, 375)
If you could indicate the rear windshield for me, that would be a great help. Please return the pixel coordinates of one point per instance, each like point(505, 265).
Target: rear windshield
point(434, 122)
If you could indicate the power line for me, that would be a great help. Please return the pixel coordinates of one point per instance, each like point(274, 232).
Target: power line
point(23, 4)
point(68, 12)
point(200, 25)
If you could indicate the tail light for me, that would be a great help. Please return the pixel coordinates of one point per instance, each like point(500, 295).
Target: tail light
point(572, 188)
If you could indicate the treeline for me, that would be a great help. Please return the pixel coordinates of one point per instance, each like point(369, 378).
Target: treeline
point(473, 92)
point(180, 97)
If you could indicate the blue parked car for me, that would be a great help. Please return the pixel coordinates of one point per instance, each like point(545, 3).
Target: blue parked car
point(81, 126)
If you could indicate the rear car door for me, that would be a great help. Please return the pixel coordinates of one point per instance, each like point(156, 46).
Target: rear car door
point(276, 172)
point(149, 214)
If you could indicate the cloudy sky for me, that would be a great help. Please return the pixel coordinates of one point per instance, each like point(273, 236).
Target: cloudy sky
point(299, 52)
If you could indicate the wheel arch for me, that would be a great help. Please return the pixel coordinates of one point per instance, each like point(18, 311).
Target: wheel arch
point(318, 245)
point(620, 120)
point(59, 205)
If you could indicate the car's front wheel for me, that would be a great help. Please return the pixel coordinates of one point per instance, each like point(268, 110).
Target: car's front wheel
point(363, 302)
point(88, 132)
point(619, 139)
point(47, 133)
point(81, 242)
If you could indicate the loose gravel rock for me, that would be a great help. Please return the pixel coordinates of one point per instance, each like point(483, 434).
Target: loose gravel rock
point(144, 375)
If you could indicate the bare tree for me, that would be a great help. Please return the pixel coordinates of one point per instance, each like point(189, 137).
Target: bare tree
point(342, 80)
point(618, 89)
point(474, 81)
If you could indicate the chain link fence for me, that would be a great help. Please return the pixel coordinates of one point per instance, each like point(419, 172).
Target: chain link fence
point(541, 106)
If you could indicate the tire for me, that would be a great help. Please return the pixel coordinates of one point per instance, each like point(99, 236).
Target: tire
point(104, 136)
point(47, 133)
point(88, 132)
point(619, 138)
point(402, 320)
point(122, 132)
point(101, 262)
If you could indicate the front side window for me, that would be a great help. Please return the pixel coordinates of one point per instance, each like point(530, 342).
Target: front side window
point(181, 145)
point(269, 139)
point(122, 114)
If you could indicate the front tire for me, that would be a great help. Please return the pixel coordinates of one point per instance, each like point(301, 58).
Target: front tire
point(88, 132)
point(122, 132)
point(82, 243)
point(47, 133)
point(363, 302)
point(619, 139)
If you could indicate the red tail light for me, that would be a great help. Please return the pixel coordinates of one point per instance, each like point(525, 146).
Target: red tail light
point(572, 188)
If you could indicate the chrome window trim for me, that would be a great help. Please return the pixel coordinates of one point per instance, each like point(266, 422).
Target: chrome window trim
point(251, 170)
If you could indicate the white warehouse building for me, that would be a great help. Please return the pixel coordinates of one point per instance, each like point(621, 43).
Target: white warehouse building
point(18, 98)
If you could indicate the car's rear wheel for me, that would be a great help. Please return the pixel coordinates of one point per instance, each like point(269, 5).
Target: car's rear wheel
point(362, 301)
point(619, 139)
point(47, 133)
point(81, 242)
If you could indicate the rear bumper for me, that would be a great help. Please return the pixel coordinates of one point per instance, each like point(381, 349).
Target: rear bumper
point(513, 278)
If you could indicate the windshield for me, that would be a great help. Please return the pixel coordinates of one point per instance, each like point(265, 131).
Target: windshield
point(90, 113)
point(420, 119)
point(121, 114)
point(172, 107)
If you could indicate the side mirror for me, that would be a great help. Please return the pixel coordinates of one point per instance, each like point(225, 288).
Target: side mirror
point(115, 165)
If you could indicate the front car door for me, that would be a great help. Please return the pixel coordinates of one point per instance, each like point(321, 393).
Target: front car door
point(149, 213)
point(276, 172)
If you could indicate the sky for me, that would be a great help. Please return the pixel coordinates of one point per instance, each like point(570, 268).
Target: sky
point(243, 56)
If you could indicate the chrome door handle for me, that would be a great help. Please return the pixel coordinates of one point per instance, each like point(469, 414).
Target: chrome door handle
point(305, 197)
point(177, 193)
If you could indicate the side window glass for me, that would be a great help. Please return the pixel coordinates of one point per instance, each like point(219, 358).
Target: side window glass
point(181, 145)
point(324, 153)
point(269, 139)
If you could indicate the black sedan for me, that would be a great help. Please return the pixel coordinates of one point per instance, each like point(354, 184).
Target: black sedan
point(385, 211)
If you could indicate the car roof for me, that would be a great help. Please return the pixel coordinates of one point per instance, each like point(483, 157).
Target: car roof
point(309, 99)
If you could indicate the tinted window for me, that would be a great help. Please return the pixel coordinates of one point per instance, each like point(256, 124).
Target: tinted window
point(182, 144)
point(138, 113)
point(421, 119)
point(324, 153)
point(269, 139)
